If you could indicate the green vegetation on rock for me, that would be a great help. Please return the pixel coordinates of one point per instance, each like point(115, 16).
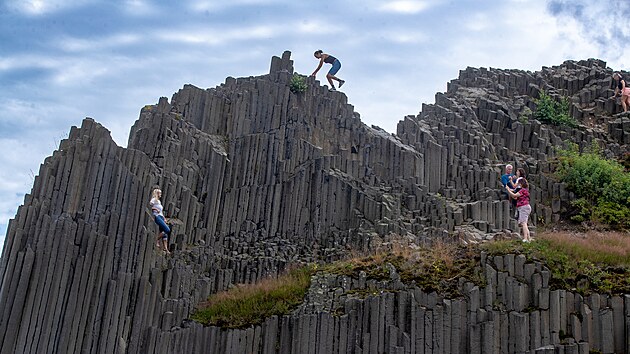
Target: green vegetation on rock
point(550, 111)
point(298, 84)
point(594, 263)
point(602, 186)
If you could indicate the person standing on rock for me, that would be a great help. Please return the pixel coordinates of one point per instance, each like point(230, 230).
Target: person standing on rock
point(623, 89)
point(158, 215)
point(523, 207)
point(506, 179)
point(520, 174)
point(336, 65)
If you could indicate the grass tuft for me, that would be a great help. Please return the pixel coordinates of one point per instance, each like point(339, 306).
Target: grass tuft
point(594, 262)
point(250, 304)
point(432, 268)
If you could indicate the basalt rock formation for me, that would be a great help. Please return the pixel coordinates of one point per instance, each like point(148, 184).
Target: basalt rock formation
point(263, 177)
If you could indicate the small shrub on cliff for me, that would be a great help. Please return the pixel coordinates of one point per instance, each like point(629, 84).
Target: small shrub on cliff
point(250, 304)
point(602, 186)
point(526, 113)
point(298, 84)
point(550, 111)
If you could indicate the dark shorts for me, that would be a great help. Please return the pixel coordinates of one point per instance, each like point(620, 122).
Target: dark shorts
point(336, 65)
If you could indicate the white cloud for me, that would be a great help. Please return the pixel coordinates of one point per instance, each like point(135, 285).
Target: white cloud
point(404, 37)
point(139, 8)
point(74, 44)
point(43, 7)
point(18, 179)
point(27, 61)
point(318, 27)
point(215, 36)
point(596, 23)
point(405, 6)
point(538, 39)
point(80, 72)
point(68, 71)
point(477, 22)
point(215, 5)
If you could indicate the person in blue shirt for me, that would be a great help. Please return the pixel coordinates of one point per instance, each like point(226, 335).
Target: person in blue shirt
point(506, 180)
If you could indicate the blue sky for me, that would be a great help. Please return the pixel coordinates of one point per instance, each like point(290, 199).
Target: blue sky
point(62, 60)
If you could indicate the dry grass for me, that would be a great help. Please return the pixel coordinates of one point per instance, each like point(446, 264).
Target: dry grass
point(433, 268)
point(251, 304)
point(585, 262)
point(609, 248)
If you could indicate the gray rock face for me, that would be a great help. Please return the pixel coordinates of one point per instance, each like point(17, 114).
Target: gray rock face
point(262, 177)
point(409, 320)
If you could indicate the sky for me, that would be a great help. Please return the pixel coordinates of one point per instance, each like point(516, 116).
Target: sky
point(62, 60)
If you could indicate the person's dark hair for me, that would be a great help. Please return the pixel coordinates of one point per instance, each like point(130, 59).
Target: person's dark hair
point(319, 51)
point(523, 183)
point(521, 172)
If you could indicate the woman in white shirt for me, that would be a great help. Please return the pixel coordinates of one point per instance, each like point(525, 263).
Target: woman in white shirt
point(157, 210)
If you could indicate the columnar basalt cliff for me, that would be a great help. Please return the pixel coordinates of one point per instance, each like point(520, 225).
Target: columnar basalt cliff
point(263, 177)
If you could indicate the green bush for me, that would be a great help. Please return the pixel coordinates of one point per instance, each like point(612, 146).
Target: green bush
point(550, 111)
point(298, 84)
point(613, 214)
point(602, 186)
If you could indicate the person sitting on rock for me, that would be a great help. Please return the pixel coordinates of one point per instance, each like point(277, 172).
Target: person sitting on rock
point(336, 65)
point(506, 180)
point(163, 230)
point(522, 204)
point(623, 89)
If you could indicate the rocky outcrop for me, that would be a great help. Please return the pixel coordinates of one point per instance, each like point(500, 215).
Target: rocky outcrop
point(263, 177)
point(514, 311)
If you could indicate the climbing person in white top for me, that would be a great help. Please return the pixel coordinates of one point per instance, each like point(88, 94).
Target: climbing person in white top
point(157, 210)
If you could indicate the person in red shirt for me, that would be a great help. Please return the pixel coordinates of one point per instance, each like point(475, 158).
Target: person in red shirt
point(522, 205)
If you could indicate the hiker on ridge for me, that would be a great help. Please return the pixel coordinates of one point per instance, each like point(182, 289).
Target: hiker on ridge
point(157, 210)
point(336, 65)
point(623, 89)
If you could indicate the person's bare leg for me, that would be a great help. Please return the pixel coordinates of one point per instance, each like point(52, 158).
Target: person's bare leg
point(333, 77)
point(158, 244)
point(625, 102)
point(165, 245)
point(525, 232)
point(330, 77)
